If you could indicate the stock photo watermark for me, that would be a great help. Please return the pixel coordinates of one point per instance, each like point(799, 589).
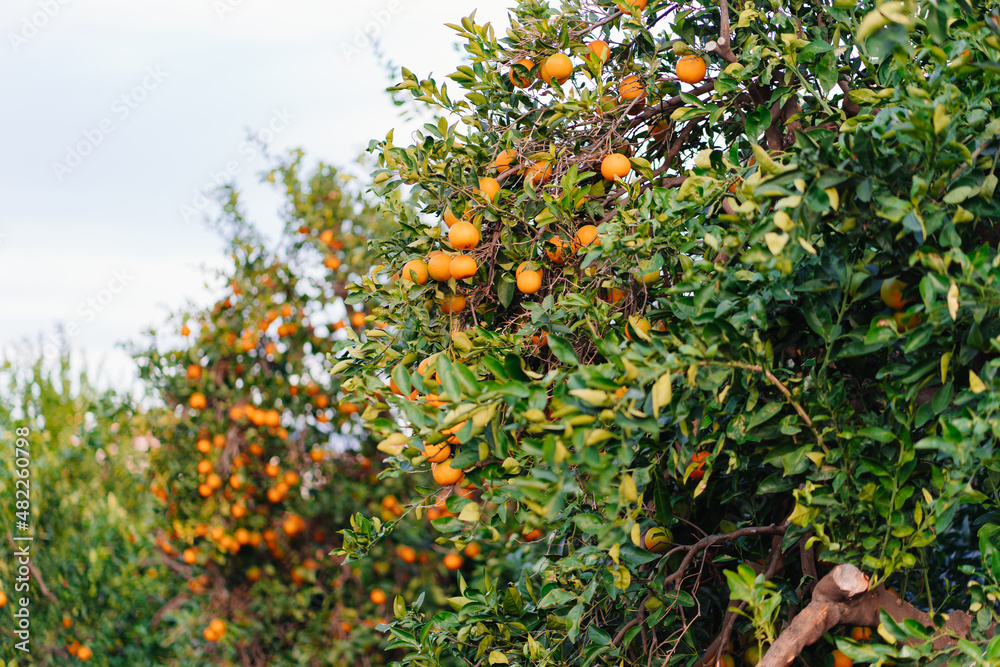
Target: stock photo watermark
point(121, 108)
point(248, 150)
point(32, 25)
point(87, 311)
point(365, 36)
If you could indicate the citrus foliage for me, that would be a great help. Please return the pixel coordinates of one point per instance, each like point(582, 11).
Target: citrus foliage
point(260, 457)
point(754, 300)
point(96, 581)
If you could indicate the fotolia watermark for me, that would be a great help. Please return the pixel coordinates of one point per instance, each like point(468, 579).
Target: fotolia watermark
point(365, 36)
point(32, 25)
point(122, 108)
point(248, 150)
point(88, 310)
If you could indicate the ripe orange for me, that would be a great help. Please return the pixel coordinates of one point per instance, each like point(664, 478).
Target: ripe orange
point(291, 478)
point(444, 474)
point(407, 554)
point(502, 162)
point(559, 248)
point(253, 573)
point(615, 164)
point(691, 69)
point(190, 555)
point(539, 172)
point(489, 187)
point(453, 561)
point(905, 321)
point(84, 653)
point(204, 490)
point(556, 67)
point(437, 453)
point(219, 441)
point(358, 320)
point(198, 401)
point(218, 626)
point(463, 236)
point(238, 511)
point(439, 267)
point(585, 236)
point(473, 549)
point(66, 621)
point(378, 596)
point(462, 266)
point(449, 217)
point(841, 660)
point(860, 634)
point(725, 660)
point(185, 330)
point(630, 5)
point(528, 281)
point(452, 431)
point(193, 372)
point(600, 50)
point(699, 470)
point(415, 271)
point(532, 535)
point(388, 502)
point(453, 304)
point(631, 88)
point(214, 481)
point(637, 324)
point(516, 78)
point(331, 262)
point(204, 467)
point(316, 454)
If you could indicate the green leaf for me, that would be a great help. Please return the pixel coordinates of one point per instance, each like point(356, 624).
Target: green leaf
point(562, 349)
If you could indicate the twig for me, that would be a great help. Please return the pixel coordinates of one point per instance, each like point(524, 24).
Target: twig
point(712, 540)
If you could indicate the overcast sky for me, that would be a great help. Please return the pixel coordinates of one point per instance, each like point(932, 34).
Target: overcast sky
point(114, 115)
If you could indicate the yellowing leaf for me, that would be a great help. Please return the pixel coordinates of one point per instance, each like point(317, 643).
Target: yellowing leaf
point(783, 221)
point(941, 119)
point(775, 242)
point(498, 658)
point(614, 551)
point(808, 247)
point(834, 198)
point(976, 385)
point(953, 301)
point(592, 396)
point(469, 513)
point(627, 489)
point(945, 361)
point(663, 393)
point(636, 535)
point(393, 445)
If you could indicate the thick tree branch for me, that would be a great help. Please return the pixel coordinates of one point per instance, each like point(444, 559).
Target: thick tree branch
point(842, 598)
point(710, 541)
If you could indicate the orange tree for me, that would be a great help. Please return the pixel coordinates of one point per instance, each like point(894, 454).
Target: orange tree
point(700, 300)
point(260, 457)
point(73, 472)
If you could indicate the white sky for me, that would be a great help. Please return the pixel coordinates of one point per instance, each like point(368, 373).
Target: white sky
point(196, 76)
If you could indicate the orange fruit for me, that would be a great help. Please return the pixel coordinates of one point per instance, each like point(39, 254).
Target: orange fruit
point(502, 162)
point(462, 266)
point(532, 535)
point(407, 554)
point(439, 267)
point(291, 478)
point(473, 549)
point(657, 539)
point(489, 187)
point(389, 502)
point(559, 248)
point(630, 5)
point(453, 304)
point(378, 596)
point(204, 490)
point(66, 621)
point(185, 330)
point(316, 454)
point(331, 262)
point(444, 474)
point(198, 401)
point(528, 281)
point(725, 660)
point(841, 660)
point(558, 67)
point(272, 470)
point(600, 50)
point(218, 626)
point(358, 320)
point(204, 467)
point(631, 88)
point(190, 555)
point(860, 634)
point(238, 511)
point(193, 372)
point(463, 236)
point(453, 561)
point(437, 453)
point(449, 217)
point(219, 441)
point(415, 271)
point(637, 324)
point(84, 653)
point(253, 573)
point(614, 165)
point(539, 172)
point(691, 69)
point(585, 236)
point(699, 470)
point(214, 481)
point(905, 321)
point(891, 293)
point(516, 78)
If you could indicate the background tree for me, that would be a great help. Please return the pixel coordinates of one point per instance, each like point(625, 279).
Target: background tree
point(96, 582)
point(262, 458)
point(701, 299)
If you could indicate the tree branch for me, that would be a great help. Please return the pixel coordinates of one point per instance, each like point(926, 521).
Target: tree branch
point(710, 541)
